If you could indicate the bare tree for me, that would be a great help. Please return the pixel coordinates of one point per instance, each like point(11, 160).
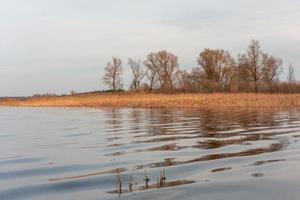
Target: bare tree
point(291, 77)
point(243, 69)
point(137, 73)
point(254, 71)
point(255, 62)
point(113, 72)
point(163, 67)
point(243, 73)
point(196, 78)
point(256, 66)
point(191, 81)
point(271, 68)
point(216, 66)
point(186, 81)
point(151, 75)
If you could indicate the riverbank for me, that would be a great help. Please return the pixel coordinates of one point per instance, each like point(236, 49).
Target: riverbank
point(215, 100)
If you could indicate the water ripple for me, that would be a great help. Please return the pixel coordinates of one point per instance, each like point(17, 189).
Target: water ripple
point(69, 152)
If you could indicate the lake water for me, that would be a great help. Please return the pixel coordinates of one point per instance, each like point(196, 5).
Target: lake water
point(66, 153)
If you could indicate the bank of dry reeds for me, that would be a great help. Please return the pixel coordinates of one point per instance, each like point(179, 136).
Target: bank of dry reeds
point(215, 100)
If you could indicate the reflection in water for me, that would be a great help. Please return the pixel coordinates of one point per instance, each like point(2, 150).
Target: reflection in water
point(195, 147)
point(206, 129)
point(160, 183)
point(221, 169)
point(167, 147)
point(213, 144)
point(262, 162)
point(257, 175)
point(250, 152)
point(119, 170)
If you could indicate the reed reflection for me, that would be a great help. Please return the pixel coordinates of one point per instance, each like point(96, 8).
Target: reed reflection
point(165, 135)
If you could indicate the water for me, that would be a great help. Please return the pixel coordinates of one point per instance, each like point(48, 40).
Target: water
point(65, 153)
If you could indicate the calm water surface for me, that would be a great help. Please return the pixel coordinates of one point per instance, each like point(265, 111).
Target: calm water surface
point(65, 153)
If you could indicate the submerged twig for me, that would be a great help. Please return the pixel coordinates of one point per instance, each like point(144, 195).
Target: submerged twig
point(130, 184)
point(119, 183)
point(130, 181)
point(162, 179)
point(146, 180)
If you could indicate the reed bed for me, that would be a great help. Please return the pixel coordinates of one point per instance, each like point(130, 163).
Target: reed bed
point(182, 100)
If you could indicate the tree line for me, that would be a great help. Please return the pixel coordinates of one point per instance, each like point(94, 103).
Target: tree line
point(217, 71)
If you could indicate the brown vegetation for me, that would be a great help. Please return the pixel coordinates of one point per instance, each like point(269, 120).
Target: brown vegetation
point(216, 71)
point(152, 100)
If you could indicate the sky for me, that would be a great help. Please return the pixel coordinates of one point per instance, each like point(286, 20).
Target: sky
point(55, 46)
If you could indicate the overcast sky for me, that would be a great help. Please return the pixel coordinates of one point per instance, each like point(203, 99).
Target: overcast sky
point(54, 46)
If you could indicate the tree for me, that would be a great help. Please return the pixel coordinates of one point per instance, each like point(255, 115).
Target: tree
point(291, 77)
point(243, 68)
point(258, 67)
point(186, 81)
point(163, 68)
point(254, 62)
point(137, 73)
point(151, 74)
point(216, 66)
point(196, 78)
point(271, 68)
point(113, 72)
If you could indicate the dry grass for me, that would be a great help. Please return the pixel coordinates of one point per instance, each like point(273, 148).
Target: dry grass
point(216, 100)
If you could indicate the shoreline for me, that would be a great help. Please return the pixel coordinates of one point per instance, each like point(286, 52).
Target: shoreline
point(151, 100)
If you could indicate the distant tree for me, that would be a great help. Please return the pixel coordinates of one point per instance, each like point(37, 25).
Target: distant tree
point(243, 73)
point(256, 66)
point(252, 71)
point(196, 79)
point(151, 75)
point(291, 77)
point(216, 66)
point(196, 75)
point(113, 72)
point(271, 68)
point(191, 81)
point(163, 68)
point(138, 74)
point(254, 62)
point(186, 81)
point(73, 92)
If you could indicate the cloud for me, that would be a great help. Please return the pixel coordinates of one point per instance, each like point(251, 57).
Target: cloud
point(57, 45)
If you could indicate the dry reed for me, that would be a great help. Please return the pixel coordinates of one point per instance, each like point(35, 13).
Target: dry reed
point(215, 100)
